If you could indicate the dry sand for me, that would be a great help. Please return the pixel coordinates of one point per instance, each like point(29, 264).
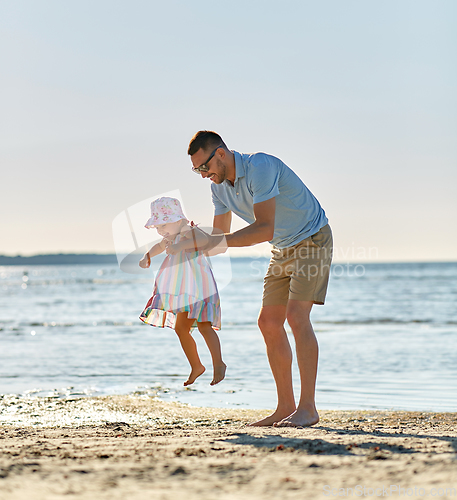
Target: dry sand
point(133, 447)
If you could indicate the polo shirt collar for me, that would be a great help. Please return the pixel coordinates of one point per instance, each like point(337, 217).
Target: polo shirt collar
point(240, 171)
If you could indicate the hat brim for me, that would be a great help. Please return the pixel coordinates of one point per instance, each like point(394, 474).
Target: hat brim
point(158, 222)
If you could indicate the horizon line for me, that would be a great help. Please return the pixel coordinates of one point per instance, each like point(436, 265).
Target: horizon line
point(250, 256)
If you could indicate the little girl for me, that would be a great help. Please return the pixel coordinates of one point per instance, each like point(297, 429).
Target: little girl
point(185, 293)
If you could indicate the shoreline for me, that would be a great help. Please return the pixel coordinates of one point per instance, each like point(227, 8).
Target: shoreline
point(54, 409)
point(137, 447)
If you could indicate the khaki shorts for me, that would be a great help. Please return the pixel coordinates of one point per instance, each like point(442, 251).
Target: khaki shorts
point(300, 272)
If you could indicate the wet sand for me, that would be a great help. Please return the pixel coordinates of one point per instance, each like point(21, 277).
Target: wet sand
point(137, 447)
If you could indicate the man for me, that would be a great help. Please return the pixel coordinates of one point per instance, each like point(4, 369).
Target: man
point(280, 209)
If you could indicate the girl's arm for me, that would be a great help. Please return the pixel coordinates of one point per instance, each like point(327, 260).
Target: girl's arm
point(145, 262)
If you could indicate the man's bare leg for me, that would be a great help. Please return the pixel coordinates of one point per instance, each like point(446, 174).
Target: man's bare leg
point(271, 323)
point(307, 356)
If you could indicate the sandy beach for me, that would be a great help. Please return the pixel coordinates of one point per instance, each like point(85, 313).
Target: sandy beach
point(137, 447)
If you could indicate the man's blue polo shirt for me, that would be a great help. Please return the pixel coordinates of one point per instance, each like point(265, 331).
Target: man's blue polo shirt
point(260, 177)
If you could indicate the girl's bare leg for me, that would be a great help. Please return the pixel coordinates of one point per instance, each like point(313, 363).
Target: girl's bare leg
point(214, 346)
point(182, 329)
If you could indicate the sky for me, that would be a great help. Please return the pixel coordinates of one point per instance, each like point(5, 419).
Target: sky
point(99, 99)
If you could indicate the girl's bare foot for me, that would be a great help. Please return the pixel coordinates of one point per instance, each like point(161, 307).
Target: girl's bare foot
point(194, 374)
point(218, 373)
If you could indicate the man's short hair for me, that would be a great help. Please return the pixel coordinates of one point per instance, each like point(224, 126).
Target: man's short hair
point(204, 139)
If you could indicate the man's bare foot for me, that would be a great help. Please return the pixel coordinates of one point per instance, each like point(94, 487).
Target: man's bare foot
point(271, 419)
point(194, 374)
point(299, 418)
point(218, 373)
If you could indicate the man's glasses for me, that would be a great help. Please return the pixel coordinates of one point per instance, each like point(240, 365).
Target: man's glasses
point(204, 166)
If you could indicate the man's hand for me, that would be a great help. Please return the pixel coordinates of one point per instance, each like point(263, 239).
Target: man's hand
point(172, 249)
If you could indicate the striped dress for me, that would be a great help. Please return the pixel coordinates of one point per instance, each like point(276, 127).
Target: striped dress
point(184, 282)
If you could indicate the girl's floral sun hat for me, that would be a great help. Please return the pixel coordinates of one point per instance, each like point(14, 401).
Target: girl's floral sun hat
point(165, 210)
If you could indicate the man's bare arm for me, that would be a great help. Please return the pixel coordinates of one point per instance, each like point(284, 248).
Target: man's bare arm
point(222, 223)
point(259, 231)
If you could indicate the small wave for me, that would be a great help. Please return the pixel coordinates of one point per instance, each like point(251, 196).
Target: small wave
point(244, 324)
point(53, 324)
point(412, 277)
point(74, 281)
point(103, 375)
point(386, 321)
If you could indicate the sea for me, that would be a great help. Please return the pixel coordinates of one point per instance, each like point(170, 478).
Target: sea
point(387, 337)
